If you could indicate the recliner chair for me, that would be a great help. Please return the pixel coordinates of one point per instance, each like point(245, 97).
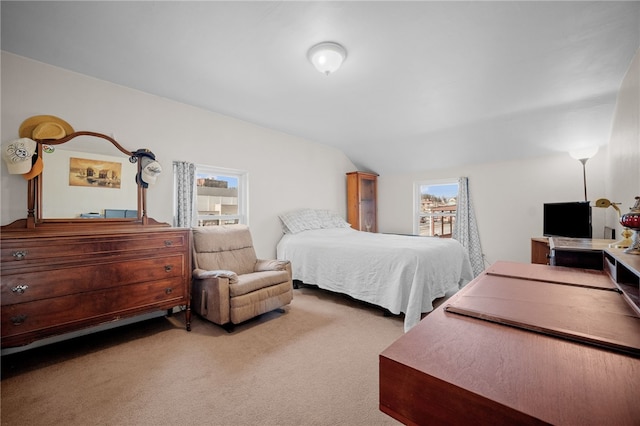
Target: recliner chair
point(230, 284)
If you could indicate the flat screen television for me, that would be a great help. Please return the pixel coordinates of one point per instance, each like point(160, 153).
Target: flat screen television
point(572, 219)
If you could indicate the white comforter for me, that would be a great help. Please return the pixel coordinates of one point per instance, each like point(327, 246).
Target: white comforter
point(397, 272)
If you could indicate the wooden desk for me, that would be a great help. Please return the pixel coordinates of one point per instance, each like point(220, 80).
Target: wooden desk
point(578, 252)
point(454, 369)
point(540, 252)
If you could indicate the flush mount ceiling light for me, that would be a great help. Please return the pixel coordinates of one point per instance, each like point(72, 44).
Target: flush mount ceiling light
point(327, 56)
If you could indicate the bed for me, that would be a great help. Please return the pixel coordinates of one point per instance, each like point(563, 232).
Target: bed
point(400, 273)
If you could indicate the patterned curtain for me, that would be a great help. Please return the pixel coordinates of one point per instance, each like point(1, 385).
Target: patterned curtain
point(466, 228)
point(185, 188)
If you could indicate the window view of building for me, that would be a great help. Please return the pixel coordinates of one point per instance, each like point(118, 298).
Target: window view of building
point(437, 208)
point(220, 197)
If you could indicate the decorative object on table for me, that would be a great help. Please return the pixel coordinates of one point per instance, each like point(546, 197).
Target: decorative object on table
point(631, 220)
point(626, 232)
point(583, 155)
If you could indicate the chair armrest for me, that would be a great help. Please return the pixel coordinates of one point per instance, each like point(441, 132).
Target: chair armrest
point(210, 294)
point(270, 265)
point(201, 274)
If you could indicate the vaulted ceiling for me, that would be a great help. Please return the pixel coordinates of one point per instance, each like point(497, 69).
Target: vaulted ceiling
point(425, 85)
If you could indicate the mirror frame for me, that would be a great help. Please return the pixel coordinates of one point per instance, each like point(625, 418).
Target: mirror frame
point(35, 192)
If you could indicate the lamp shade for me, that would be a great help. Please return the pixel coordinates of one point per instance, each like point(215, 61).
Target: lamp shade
point(327, 57)
point(584, 153)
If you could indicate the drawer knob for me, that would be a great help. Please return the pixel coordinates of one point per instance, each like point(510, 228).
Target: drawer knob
point(168, 290)
point(168, 243)
point(19, 255)
point(168, 268)
point(18, 319)
point(20, 289)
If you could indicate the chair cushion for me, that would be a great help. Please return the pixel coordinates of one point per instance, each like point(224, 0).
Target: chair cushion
point(258, 302)
point(228, 247)
point(248, 283)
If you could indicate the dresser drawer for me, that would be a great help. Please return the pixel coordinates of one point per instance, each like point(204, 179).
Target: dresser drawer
point(28, 286)
point(23, 252)
point(90, 308)
point(62, 278)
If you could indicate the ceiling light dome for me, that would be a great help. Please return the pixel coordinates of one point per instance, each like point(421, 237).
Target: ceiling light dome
point(327, 57)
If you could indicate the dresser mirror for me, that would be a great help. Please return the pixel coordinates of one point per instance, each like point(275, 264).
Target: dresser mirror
point(87, 178)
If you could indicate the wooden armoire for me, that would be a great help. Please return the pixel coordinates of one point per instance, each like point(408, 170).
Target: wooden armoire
point(362, 208)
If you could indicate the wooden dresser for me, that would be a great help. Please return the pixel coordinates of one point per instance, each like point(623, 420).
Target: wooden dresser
point(54, 282)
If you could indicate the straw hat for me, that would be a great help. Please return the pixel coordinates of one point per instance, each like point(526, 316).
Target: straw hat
point(48, 130)
point(30, 124)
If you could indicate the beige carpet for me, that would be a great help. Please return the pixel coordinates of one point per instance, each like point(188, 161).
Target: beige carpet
point(316, 364)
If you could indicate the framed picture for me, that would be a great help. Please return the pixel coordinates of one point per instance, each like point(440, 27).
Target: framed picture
point(96, 173)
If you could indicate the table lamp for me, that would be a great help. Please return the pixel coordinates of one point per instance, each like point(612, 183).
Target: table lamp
point(626, 232)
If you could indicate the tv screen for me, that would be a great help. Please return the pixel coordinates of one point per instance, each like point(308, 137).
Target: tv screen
point(571, 219)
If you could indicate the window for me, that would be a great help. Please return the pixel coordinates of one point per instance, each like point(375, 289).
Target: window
point(436, 207)
point(221, 196)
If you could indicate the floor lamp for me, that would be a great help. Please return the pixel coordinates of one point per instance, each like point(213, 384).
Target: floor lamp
point(583, 155)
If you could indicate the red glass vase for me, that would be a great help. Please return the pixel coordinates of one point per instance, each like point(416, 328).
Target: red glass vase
point(631, 220)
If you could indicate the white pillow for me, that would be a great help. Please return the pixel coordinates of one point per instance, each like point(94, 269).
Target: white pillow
point(329, 219)
point(299, 220)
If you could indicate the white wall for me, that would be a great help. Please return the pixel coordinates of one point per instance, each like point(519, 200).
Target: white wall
point(508, 196)
point(285, 172)
point(623, 178)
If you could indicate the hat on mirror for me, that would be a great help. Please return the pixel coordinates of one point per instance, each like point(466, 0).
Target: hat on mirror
point(150, 169)
point(52, 127)
point(17, 154)
point(37, 165)
point(48, 130)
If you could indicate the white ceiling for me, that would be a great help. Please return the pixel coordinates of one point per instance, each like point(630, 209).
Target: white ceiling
point(425, 85)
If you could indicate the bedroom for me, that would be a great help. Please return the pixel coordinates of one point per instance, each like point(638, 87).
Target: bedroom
point(314, 172)
point(289, 172)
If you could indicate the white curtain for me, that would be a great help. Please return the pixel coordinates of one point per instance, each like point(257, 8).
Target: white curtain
point(466, 228)
point(185, 177)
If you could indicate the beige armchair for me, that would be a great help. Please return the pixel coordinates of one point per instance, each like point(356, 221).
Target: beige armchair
point(230, 284)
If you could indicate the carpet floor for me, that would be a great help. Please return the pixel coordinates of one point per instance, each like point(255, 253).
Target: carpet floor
point(314, 364)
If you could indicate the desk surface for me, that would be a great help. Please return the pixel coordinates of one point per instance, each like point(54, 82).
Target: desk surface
point(630, 261)
point(454, 369)
point(561, 243)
